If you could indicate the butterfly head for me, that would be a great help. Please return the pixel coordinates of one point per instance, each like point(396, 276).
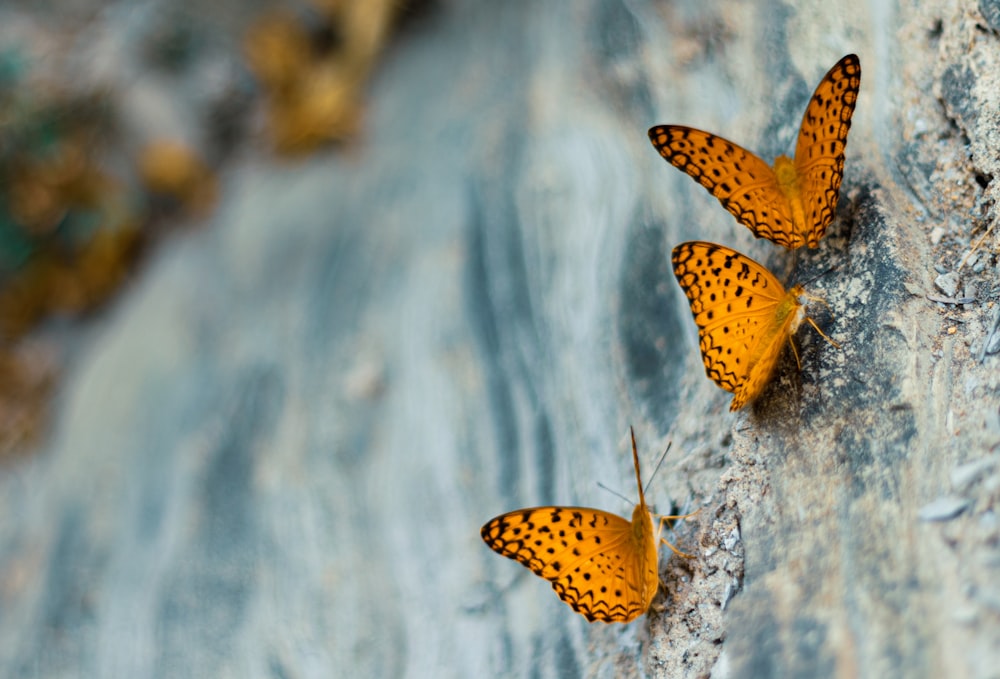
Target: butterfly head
point(791, 310)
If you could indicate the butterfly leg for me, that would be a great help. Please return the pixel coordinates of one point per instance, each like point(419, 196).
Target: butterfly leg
point(659, 529)
point(821, 334)
point(814, 298)
point(818, 299)
point(683, 555)
point(795, 351)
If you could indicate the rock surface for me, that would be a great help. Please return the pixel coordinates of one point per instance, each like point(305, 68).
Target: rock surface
point(276, 452)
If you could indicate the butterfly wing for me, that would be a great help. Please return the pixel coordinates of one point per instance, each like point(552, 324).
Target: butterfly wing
point(764, 357)
point(591, 557)
point(743, 183)
point(819, 153)
point(734, 302)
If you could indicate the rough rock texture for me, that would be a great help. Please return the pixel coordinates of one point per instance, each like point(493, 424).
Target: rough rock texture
point(275, 454)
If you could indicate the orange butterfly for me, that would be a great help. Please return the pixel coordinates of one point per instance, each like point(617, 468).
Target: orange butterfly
point(743, 314)
point(602, 565)
point(793, 204)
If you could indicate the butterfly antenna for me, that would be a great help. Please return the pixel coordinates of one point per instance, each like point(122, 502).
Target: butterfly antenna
point(659, 462)
point(635, 461)
point(818, 276)
point(613, 492)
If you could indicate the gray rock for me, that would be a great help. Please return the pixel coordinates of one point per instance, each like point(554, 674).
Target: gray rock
point(948, 283)
point(274, 455)
point(964, 476)
point(990, 9)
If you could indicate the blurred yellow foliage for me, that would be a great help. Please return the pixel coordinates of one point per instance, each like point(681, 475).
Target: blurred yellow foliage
point(27, 377)
point(41, 191)
point(171, 168)
point(73, 283)
point(314, 75)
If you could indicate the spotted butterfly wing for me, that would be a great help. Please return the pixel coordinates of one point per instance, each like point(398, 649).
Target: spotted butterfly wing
point(793, 203)
point(744, 184)
point(602, 565)
point(743, 313)
point(819, 153)
point(590, 556)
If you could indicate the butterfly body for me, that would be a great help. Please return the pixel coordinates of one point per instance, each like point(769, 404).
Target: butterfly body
point(793, 202)
point(604, 566)
point(743, 313)
point(644, 545)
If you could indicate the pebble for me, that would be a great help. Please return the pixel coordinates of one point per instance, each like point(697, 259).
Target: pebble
point(732, 587)
point(966, 474)
point(964, 615)
point(731, 540)
point(366, 380)
point(990, 9)
point(947, 283)
point(994, 344)
point(944, 508)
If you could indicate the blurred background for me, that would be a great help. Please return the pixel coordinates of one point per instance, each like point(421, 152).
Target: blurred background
point(295, 296)
point(118, 122)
